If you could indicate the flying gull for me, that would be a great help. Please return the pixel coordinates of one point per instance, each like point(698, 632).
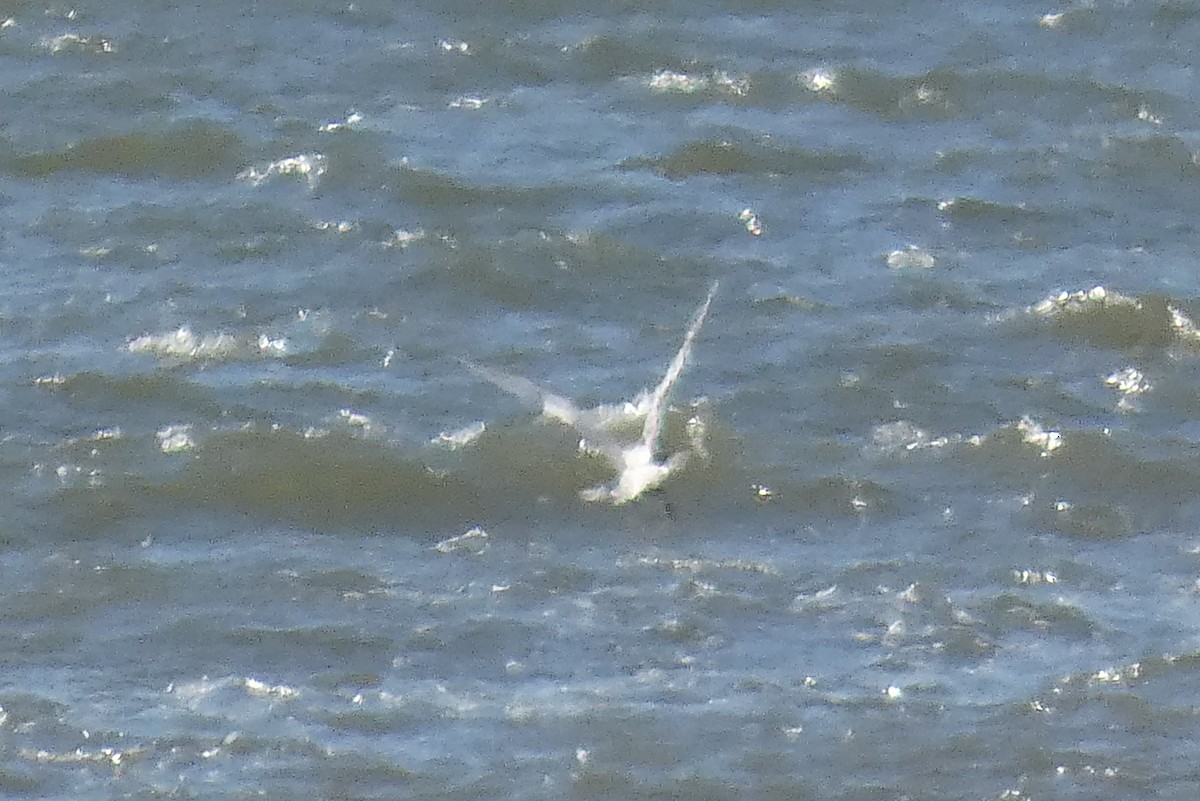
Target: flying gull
point(637, 469)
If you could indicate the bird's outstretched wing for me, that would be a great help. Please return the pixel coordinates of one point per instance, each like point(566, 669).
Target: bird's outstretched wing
point(657, 409)
point(596, 438)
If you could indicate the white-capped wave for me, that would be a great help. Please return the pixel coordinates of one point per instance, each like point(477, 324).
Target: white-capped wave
point(308, 167)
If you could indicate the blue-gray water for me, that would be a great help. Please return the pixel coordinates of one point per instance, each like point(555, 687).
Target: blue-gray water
point(265, 535)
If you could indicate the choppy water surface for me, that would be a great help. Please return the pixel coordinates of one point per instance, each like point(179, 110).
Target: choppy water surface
point(266, 533)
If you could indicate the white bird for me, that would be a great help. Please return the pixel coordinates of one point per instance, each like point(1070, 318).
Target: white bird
point(637, 470)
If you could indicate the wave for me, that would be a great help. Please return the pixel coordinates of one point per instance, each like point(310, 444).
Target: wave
point(722, 157)
point(946, 93)
point(195, 149)
point(1107, 318)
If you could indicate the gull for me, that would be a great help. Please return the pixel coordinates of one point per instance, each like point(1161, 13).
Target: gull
point(637, 469)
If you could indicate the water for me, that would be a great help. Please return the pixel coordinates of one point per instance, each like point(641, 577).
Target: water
point(265, 533)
